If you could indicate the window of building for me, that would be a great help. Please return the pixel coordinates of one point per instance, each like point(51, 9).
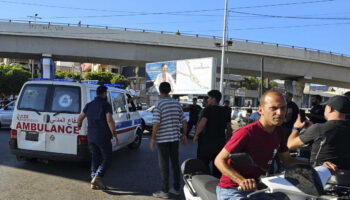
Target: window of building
point(114, 70)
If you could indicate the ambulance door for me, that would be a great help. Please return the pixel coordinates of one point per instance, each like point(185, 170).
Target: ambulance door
point(121, 118)
point(31, 107)
point(64, 110)
point(134, 116)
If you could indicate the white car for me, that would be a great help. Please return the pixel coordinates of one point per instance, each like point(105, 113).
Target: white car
point(6, 114)
point(146, 118)
point(147, 115)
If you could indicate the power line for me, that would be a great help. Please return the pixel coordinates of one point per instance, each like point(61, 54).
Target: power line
point(292, 17)
point(132, 15)
point(282, 4)
point(186, 13)
point(128, 13)
point(276, 27)
point(294, 26)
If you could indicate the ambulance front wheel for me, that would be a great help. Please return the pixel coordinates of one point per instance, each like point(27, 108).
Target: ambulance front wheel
point(137, 142)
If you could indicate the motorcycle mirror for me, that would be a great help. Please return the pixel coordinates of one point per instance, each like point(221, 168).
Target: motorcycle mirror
point(242, 159)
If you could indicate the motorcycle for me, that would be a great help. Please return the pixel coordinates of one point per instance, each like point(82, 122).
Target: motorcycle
point(300, 182)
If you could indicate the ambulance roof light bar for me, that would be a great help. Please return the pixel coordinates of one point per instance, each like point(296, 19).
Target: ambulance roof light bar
point(113, 85)
point(90, 81)
point(56, 79)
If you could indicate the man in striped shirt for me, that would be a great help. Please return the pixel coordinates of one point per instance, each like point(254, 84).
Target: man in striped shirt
point(167, 117)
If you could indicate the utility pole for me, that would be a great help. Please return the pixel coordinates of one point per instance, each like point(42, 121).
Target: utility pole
point(31, 63)
point(223, 53)
point(35, 17)
point(262, 77)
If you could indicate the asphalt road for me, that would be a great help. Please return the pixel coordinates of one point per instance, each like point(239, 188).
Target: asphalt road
point(134, 174)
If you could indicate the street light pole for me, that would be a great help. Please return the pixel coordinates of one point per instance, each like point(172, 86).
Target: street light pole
point(223, 53)
point(35, 17)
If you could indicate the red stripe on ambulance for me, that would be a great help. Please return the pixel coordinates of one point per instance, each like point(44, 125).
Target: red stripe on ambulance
point(125, 130)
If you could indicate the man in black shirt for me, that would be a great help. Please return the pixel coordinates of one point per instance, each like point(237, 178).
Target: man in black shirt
point(249, 110)
point(228, 108)
point(317, 110)
point(334, 135)
point(101, 128)
point(347, 95)
point(131, 104)
point(194, 114)
point(213, 138)
point(229, 111)
point(291, 115)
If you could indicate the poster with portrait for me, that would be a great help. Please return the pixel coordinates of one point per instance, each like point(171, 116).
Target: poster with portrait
point(190, 76)
point(157, 73)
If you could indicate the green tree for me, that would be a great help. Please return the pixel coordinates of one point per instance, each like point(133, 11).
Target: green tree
point(120, 79)
point(67, 75)
point(12, 78)
point(107, 77)
point(252, 83)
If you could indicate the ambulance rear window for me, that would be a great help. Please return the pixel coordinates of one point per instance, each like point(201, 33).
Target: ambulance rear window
point(50, 98)
point(66, 98)
point(34, 97)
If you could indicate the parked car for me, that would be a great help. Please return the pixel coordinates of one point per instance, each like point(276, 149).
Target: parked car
point(144, 106)
point(6, 114)
point(146, 118)
point(147, 115)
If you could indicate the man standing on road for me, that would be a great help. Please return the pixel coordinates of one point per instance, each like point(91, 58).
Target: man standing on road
point(167, 116)
point(100, 132)
point(334, 134)
point(210, 132)
point(291, 115)
point(194, 114)
point(316, 114)
point(228, 108)
point(347, 95)
point(261, 141)
point(229, 112)
point(205, 104)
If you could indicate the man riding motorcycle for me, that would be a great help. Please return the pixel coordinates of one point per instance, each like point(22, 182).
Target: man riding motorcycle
point(261, 140)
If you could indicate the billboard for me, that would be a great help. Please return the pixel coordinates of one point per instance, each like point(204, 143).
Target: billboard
point(190, 76)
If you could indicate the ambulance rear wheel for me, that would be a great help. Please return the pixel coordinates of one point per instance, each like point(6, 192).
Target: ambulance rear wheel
point(23, 158)
point(137, 142)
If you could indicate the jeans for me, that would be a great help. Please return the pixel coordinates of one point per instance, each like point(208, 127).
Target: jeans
point(190, 124)
point(168, 150)
point(207, 154)
point(234, 194)
point(101, 158)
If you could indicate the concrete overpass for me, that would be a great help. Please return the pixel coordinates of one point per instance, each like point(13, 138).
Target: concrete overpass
point(127, 47)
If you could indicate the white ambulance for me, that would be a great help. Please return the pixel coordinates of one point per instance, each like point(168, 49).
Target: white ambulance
point(45, 120)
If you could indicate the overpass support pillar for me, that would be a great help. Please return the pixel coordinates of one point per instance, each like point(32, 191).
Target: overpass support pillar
point(296, 88)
